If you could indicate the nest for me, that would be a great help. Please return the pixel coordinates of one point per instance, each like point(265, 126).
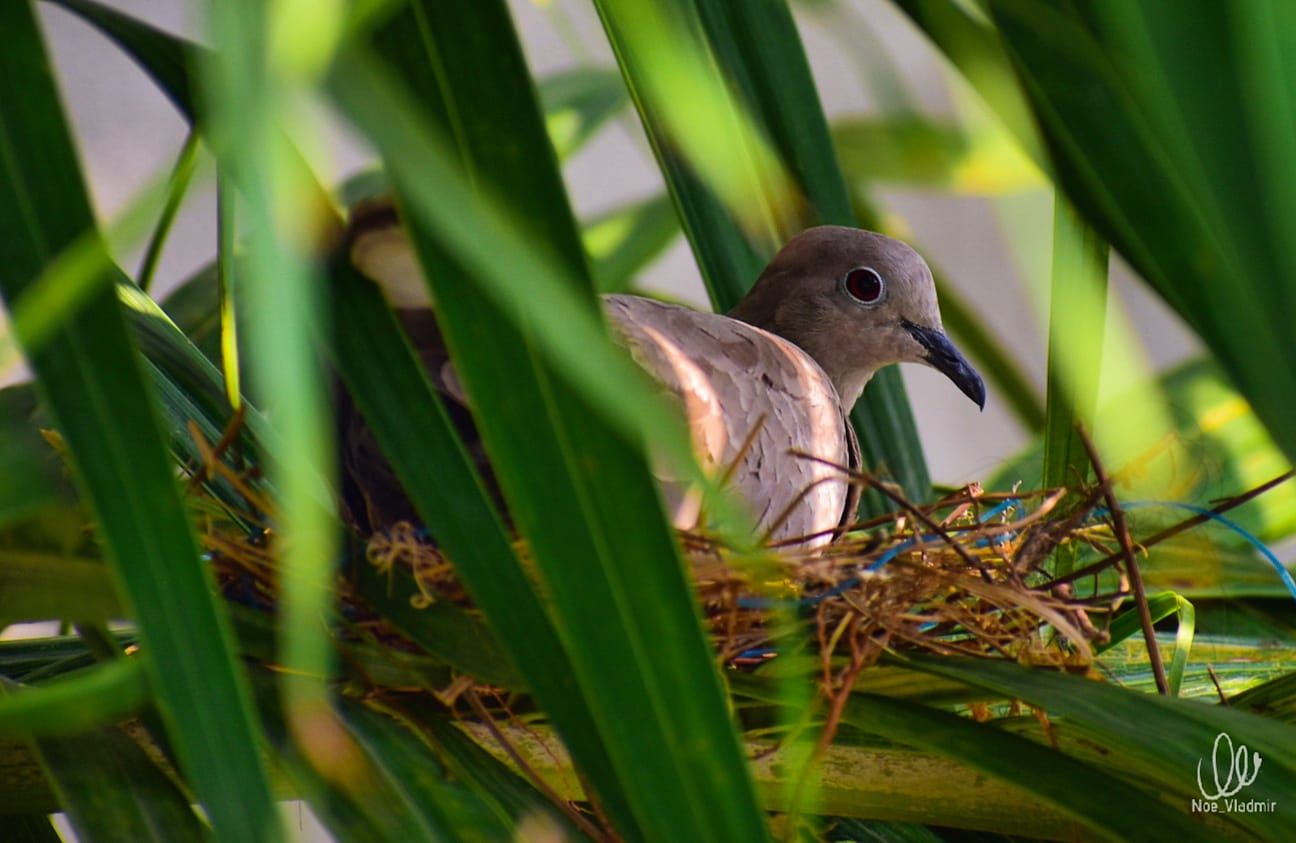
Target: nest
point(958, 577)
point(967, 576)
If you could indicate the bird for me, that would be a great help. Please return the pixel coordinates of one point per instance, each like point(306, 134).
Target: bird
point(766, 390)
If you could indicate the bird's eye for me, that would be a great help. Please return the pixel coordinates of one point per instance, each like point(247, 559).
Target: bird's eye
point(864, 284)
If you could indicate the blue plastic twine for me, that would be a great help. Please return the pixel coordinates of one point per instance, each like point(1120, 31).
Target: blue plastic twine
point(1242, 532)
point(848, 584)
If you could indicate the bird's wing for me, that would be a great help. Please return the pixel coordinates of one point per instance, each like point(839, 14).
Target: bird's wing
point(734, 382)
point(374, 495)
point(755, 403)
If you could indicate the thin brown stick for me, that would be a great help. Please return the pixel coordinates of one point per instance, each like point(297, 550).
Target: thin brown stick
point(1175, 529)
point(228, 436)
point(1121, 527)
point(904, 503)
point(537, 782)
point(1210, 670)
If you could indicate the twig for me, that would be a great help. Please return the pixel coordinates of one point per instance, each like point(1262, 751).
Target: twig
point(904, 503)
point(1121, 527)
point(537, 782)
point(1186, 524)
point(1210, 669)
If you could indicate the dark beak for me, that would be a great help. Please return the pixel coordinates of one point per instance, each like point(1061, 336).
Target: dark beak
point(943, 356)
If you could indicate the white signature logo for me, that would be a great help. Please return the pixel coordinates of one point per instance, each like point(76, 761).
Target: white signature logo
point(1240, 771)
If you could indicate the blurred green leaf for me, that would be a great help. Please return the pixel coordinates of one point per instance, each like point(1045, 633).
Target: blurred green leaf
point(162, 56)
point(1105, 806)
point(577, 103)
point(181, 175)
point(91, 379)
point(1237, 663)
point(1150, 152)
point(226, 288)
point(251, 79)
point(1158, 739)
point(1077, 324)
point(23, 453)
point(32, 828)
point(624, 240)
point(1275, 698)
point(74, 703)
point(964, 33)
point(111, 790)
point(1077, 319)
point(756, 48)
point(1219, 449)
point(618, 591)
point(916, 152)
point(451, 809)
point(37, 585)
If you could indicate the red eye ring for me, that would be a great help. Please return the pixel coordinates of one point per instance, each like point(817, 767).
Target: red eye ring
point(864, 284)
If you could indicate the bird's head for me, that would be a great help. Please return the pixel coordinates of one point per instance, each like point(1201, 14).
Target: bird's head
point(856, 301)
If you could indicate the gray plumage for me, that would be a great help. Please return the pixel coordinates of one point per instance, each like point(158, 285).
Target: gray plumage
point(739, 382)
point(774, 379)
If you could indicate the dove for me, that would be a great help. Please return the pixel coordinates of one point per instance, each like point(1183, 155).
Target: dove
point(766, 390)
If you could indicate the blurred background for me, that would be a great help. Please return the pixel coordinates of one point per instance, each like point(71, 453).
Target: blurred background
point(923, 159)
point(988, 233)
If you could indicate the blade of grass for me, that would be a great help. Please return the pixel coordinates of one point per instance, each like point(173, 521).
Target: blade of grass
point(226, 236)
point(452, 810)
point(1161, 607)
point(1184, 636)
point(38, 586)
point(163, 56)
point(393, 393)
point(1150, 153)
point(758, 49)
point(181, 175)
point(911, 152)
point(619, 593)
point(623, 241)
point(577, 103)
point(1160, 739)
point(75, 703)
point(972, 44)
point(91, 380)
point(1126, 623)
point(1077, 316)
point(111, 790)
point(253, 79)
point(1096, 801)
